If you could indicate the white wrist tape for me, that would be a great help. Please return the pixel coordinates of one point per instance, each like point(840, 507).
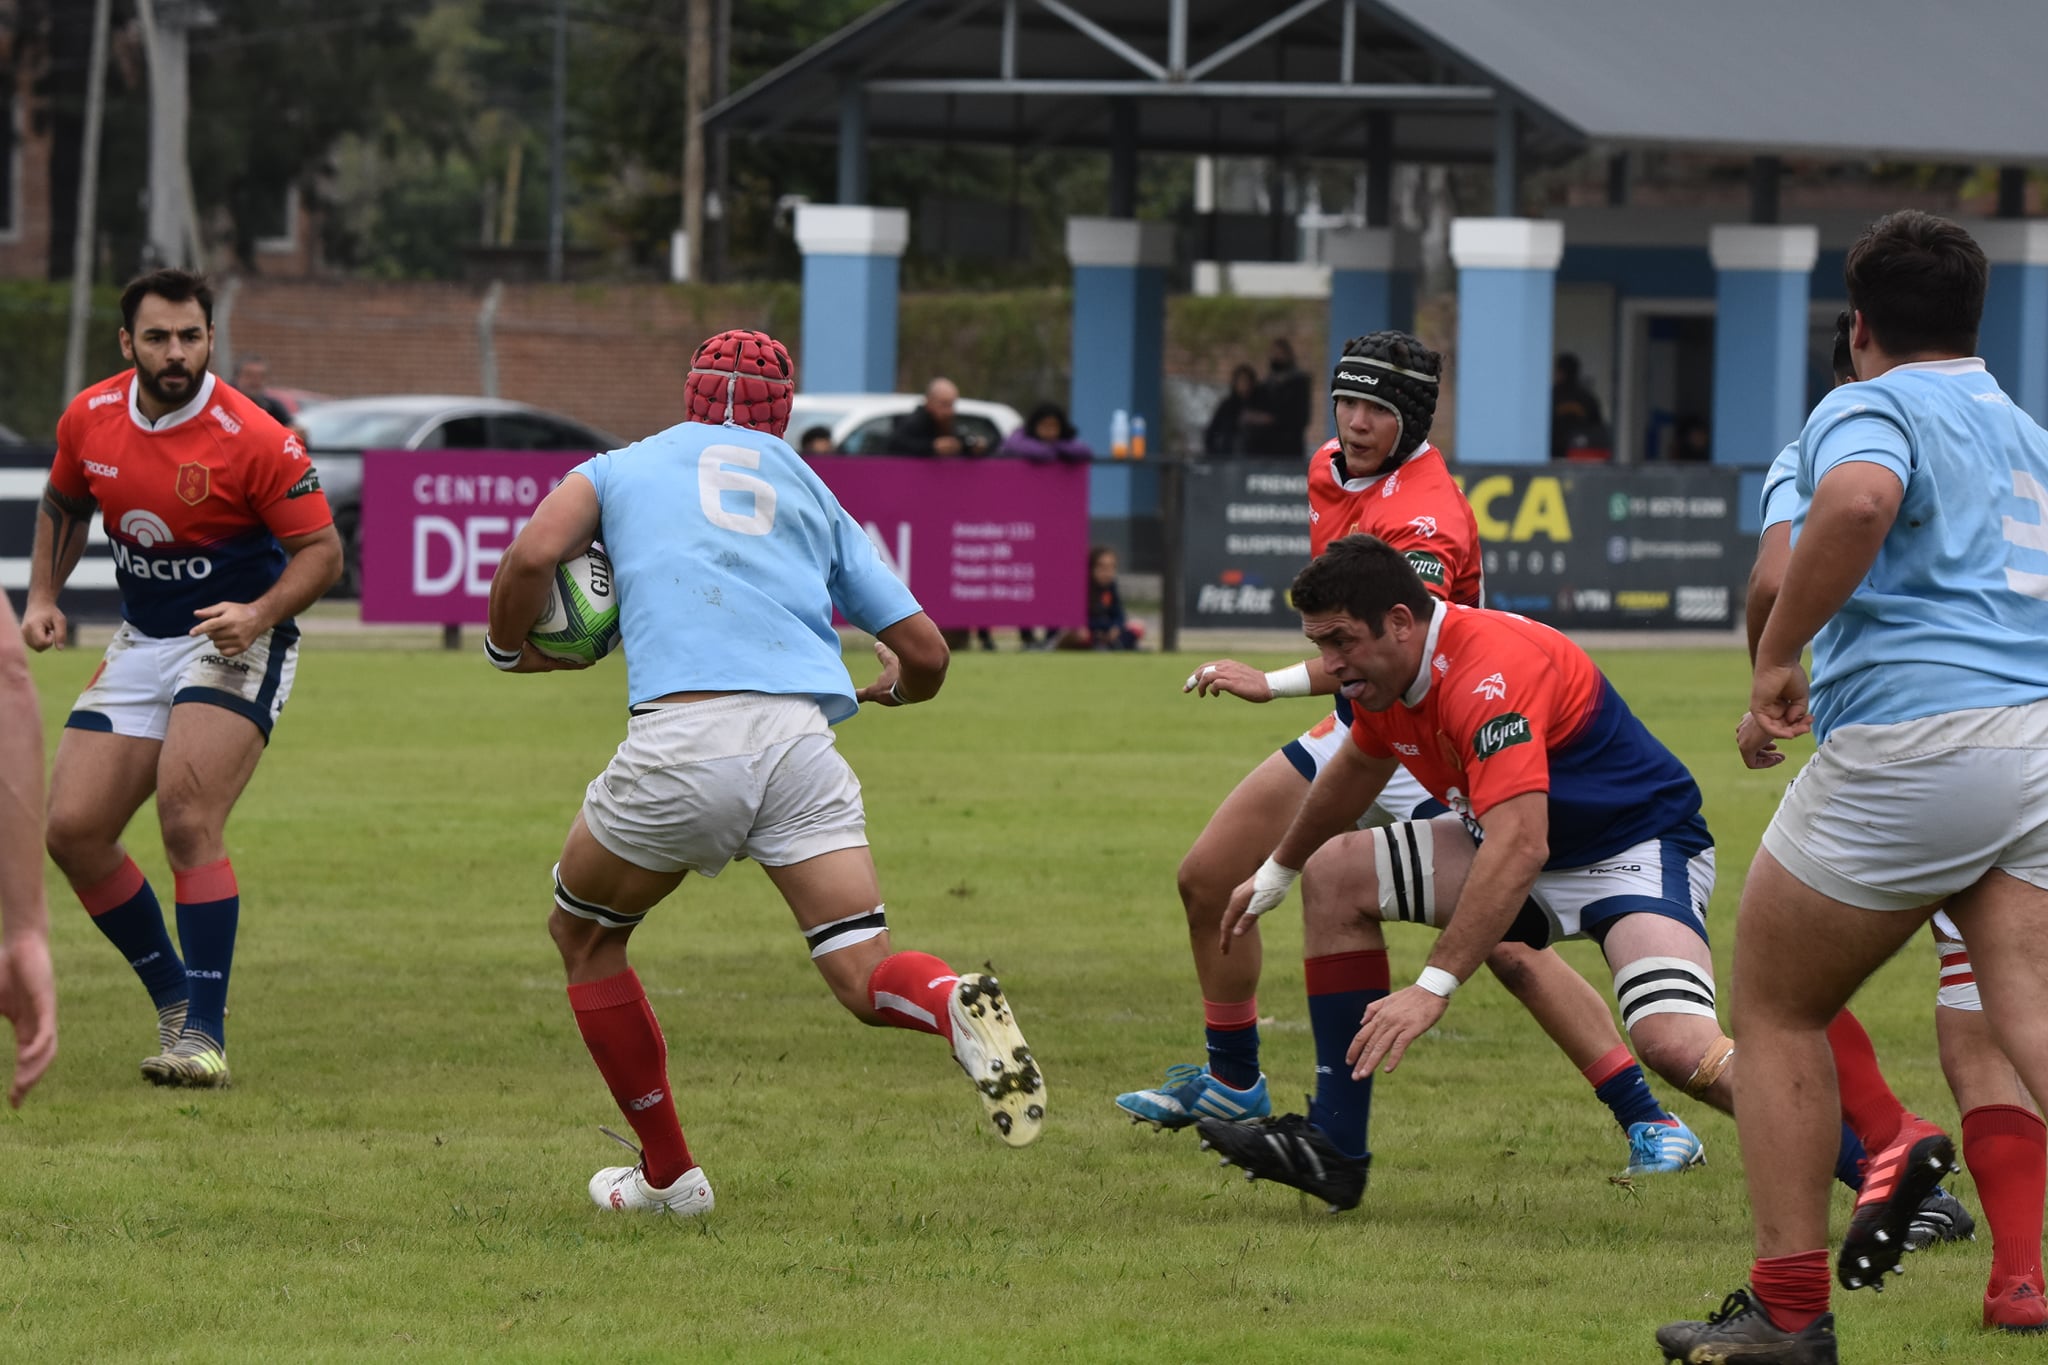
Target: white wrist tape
point(1291, 681)
point(504, 660)
point(1270, 885)
point(1437, 982)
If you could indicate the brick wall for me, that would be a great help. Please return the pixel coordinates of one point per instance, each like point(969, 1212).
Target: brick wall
point(25, 250)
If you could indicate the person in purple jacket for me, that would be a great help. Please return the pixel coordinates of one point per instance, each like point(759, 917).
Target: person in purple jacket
point(1046, 435)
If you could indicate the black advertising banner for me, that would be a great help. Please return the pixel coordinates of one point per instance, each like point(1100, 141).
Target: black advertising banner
point(1592, 547)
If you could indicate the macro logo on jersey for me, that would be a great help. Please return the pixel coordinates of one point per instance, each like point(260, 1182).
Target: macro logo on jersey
point(1502, 732)
point(145, 528)
point(1493, 687)
point(195, 481)
point(1428, 568)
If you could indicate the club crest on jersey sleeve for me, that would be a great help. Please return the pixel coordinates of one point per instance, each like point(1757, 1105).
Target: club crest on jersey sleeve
point(194, 482)
point(1492, 687)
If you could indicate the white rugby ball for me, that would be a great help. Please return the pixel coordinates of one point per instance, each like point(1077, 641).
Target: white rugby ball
point(582, 620)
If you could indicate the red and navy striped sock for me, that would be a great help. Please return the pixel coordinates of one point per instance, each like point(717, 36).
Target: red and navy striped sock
point(1233, 1030)
point(1340, 986)
point(209, 910)
point(125, 909)
point(624, 1038)
point(1617, 1081)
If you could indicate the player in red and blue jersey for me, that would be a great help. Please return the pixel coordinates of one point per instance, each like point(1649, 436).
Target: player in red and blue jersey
point(1567, 819)
point(221, 536)
point(1380, 476)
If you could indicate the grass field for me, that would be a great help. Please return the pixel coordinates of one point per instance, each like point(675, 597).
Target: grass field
point(398, 1173)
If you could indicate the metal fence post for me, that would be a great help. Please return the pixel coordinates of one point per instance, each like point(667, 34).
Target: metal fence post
point(1172, 505)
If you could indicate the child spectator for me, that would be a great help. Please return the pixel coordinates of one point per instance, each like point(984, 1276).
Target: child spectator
point(1046, 435)
point(1108, 627)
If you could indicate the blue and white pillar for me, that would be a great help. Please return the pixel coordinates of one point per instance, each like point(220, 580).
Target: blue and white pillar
point(1361, 262)
point(1119, 344)
point(852, 254)
point(1507, 303)
point(1764, 284)
point(2014, 336)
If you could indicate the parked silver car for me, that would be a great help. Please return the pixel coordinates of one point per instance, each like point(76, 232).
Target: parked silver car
point(340, 430)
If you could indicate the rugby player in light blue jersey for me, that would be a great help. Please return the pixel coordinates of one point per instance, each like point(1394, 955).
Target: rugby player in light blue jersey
point(729, 556)
point(1919, 572)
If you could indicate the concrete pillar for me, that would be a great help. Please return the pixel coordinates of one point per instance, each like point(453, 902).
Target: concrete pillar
point(1507, 297)
point(1119, 322)
point(1764, 283)
point(1361, 262)
point(2014, 336)
point(852, 253)
point(853, 144)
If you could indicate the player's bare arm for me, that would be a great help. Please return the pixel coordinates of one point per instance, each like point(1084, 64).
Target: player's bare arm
point(28, 995)
point(1853, 509)
point(1342, 792)
point(563, 527)
point(312, 566)
point(1766, 581)
point(61, 528)
point(1504, 870)
point(1218, 676)
point(914, 659)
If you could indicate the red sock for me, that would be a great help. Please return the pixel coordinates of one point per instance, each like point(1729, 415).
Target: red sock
point(912, 990)
point(624, 1038)
point(1793, 1290)
point(2006, 1148)
point(1868, 1104)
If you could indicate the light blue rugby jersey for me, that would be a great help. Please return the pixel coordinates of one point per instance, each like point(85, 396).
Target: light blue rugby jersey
point(1954, 613)
point(729, 554)
point(1781, 500)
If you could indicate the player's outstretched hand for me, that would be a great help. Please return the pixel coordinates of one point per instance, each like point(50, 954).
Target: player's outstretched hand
point(232, 626)
point(1218, 676)
point(882, 691)
point(1758, 749)
point(43, 627)
point(1391, 1024)
point(28, 1000)
point(1777, 701)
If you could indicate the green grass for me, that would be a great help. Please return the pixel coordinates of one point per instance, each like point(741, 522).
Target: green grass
point(399, 1172)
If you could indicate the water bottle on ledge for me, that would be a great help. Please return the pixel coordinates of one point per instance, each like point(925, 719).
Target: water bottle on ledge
point(1138, 437)
point(1119, 435)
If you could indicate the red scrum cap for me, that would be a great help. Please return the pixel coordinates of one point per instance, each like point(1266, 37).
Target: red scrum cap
point(742, 378)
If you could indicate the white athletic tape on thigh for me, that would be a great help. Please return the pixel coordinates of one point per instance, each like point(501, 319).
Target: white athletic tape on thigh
point(1663, 985)
point(1404, 861)
point(570, 904)
point(844, 933)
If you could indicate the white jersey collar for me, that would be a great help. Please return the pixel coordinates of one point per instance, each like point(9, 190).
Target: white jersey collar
point(176, 416)
point(1968, 364)
point(1360, 485)
point(1419, 689)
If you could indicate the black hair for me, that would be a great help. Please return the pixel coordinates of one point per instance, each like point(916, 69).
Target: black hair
point(1568, 366)
point(170, 284)
point(1364, 576)
point(810, 432)
point(1050, 409)
point(1844, 364)
point(1919, 282)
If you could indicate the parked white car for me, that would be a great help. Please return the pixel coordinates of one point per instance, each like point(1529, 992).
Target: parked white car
point(860, 423)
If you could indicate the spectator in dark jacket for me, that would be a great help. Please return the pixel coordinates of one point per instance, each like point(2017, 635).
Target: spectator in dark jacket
point(933, 429)
point(1275, 421)
point(1108, 626)
point(1225, 433)
point(1046, 435)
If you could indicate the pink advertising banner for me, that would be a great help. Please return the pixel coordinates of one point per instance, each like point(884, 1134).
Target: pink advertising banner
point(981, 542)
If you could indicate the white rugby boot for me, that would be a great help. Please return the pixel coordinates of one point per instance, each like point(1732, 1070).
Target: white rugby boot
point(993, 1053)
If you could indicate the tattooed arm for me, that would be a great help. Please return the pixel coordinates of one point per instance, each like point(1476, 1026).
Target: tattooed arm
point(61, 528)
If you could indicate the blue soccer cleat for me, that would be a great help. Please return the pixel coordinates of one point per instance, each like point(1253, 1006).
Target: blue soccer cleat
point(1191, 1093)
point(1659, 1147)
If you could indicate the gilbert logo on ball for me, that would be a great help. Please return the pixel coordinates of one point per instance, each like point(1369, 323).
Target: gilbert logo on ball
point(582, 620)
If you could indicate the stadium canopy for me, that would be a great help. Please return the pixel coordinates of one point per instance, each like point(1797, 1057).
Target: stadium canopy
point(1422, 80)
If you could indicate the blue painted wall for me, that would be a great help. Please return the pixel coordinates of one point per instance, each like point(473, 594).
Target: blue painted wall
point(1119, 348)
point(849, 324)
point(1506, 328)
point(2014, 336)
point(1760, 371)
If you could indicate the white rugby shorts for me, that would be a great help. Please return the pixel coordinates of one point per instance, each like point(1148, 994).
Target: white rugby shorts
point(697, 784)
point(143, 676)
point(1403, 798)
point(1655, 877)
point(1895, 817)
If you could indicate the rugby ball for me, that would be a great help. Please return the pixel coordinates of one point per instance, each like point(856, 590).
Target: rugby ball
point(582, 619)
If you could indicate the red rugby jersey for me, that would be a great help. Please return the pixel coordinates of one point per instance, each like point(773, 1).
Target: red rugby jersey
point(1416, 508)
point(195, 503)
